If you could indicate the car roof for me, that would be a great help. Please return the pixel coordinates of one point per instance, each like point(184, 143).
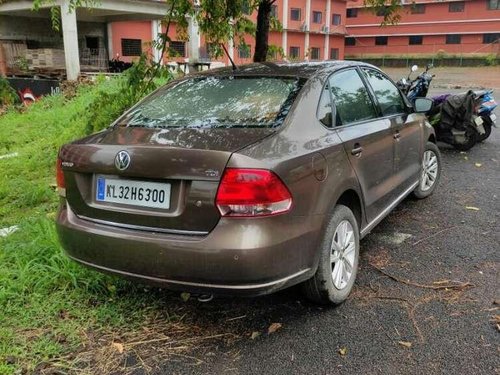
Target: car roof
point(295, 69)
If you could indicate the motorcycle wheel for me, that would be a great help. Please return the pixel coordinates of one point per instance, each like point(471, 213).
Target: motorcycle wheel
point(487, 129)
point(471, 136)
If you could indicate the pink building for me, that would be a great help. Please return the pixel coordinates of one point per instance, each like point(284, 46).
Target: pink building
point(312, 30)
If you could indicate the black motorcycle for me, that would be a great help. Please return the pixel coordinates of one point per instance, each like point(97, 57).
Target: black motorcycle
point(456, 118)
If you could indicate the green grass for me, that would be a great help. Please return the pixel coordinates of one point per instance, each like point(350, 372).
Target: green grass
point(48, 304)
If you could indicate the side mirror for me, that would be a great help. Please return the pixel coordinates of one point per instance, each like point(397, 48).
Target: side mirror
point(414, 68)
point(422, 105)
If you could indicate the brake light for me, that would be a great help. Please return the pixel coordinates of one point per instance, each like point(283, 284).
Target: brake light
point(61, 185)
point(252, 192)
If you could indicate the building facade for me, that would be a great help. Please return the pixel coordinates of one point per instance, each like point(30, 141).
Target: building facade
point(312, 30)
point(426, 27)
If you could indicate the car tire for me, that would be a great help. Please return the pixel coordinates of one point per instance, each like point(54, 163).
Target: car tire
point(430, 171)
point(332, 282)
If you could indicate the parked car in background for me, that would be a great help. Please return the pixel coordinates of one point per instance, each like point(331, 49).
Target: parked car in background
point(247, 181)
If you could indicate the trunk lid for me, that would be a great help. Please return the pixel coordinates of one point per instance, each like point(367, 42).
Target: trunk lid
point(190, 161)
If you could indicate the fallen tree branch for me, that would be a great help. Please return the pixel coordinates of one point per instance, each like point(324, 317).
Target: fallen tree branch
point(432, 236)
point(437, 286)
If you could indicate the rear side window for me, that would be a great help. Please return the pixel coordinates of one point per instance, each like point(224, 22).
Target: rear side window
point(388, 96)
point(351, 98)
point(217, 102)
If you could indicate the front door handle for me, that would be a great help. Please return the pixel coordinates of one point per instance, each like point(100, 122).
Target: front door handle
point(356, 151)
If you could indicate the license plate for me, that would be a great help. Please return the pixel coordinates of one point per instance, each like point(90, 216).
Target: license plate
point(133, 193)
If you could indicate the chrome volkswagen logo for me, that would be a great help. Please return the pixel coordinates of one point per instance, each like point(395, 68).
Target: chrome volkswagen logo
point(122, 160)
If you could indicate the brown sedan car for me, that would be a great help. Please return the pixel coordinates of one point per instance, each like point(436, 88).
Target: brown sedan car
point(247, 181)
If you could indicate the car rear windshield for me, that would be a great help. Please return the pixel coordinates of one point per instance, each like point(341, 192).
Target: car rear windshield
point(217, 102)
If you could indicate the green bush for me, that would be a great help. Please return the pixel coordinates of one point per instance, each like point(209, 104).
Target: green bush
point(138, 81)
point(8, 95)
point(491, 60)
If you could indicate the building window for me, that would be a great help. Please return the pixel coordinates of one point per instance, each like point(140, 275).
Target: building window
point(294, 52)
point(453, 39)
point(350, 41)
point(178, 48)
point(317, 17)
point(418, 9)
point(315, 53)
point(493, 4)
point(352, 13)
point(274, 11)
point(381, 40)
point(244, 52)
point(131, 47)
point(295, 14)
point(381, 12)
point(491, 38)
point(336, 19)
point(416, 39)
point(456, 6)
point(334, 54)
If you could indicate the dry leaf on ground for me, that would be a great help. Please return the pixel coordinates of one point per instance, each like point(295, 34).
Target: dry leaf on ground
point(343, 351)
point(472, 208)
point(254, 335)
point(406, 344)
point(274, 327)
point(118, 347)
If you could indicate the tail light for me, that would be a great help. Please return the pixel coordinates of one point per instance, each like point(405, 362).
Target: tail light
point(61, 185)
point(252, 192)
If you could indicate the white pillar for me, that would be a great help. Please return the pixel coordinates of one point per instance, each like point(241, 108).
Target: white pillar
point(308, 25)
point(155, 30)
point(328, 24)
point(284, 35)
point(194, 41)
point(110, 40)
point(70, 40)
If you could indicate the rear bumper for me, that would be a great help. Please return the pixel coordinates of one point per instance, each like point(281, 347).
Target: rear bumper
point(239, 257)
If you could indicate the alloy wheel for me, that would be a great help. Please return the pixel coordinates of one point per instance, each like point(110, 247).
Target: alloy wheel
point(343, 253)
point(429, 170)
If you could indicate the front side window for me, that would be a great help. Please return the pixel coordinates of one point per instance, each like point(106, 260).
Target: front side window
point(217, 102)
point(388, 96)
point(351, 98)
point(457, 6)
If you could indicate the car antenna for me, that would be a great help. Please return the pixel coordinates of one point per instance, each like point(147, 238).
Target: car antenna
point(229, 57)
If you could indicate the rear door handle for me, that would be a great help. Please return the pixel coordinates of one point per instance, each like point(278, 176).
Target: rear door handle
point(356, 151)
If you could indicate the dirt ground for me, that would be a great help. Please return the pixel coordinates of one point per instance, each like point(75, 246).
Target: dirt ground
point(454, 77)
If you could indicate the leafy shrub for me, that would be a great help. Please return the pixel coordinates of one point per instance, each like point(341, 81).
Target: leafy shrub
point(8, 95)
point(491, 60)
point(138, 81)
